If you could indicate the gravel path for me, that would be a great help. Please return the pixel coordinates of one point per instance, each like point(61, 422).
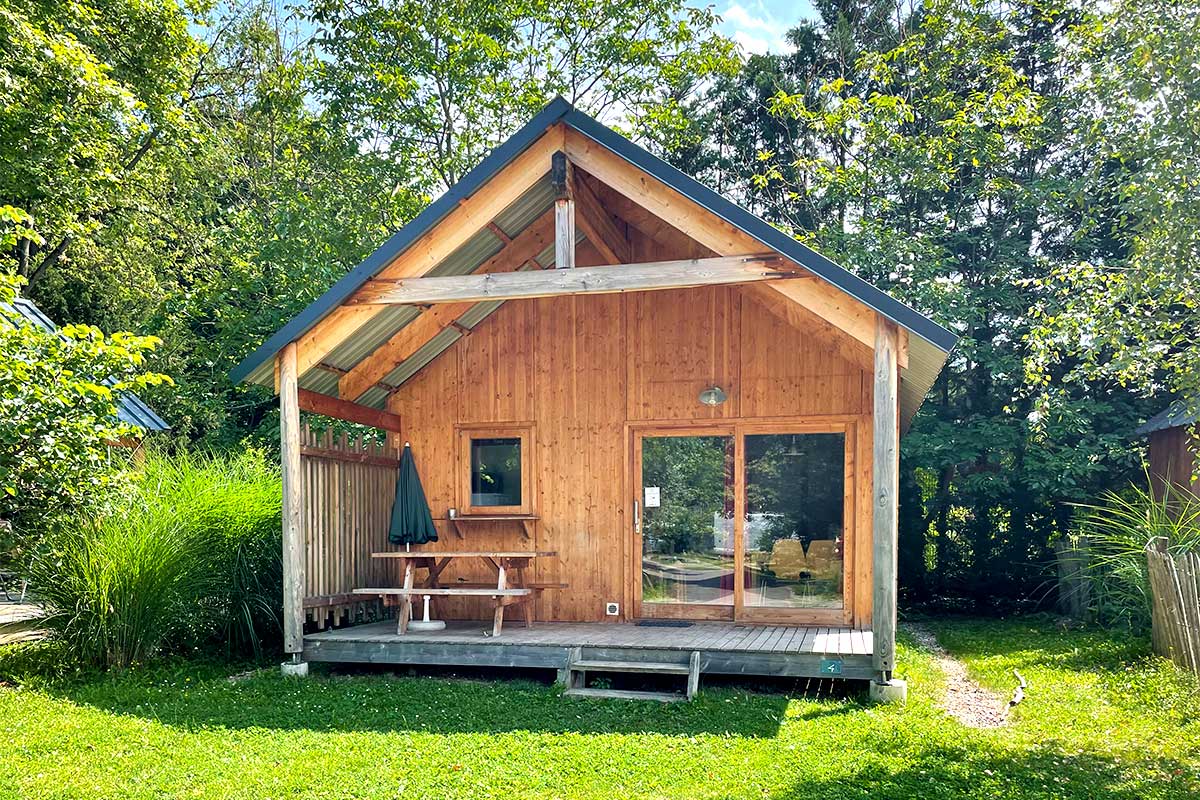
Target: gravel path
point(965, 700)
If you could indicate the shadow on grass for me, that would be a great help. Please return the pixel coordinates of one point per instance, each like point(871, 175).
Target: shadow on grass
point(976, 771)
point(387, 703)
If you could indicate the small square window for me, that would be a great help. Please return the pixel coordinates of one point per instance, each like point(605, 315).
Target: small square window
point(496, 472)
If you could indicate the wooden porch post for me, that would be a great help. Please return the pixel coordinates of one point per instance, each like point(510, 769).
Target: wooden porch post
point(293, 541)
point(886, 475)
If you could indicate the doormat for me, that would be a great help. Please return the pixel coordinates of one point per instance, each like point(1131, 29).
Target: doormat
point(663, 623)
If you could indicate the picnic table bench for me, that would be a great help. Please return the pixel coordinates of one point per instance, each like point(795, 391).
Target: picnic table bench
point(510, 588)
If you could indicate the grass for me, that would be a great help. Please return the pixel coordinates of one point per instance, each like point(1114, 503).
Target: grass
point(188, 560)
point(1102, 720)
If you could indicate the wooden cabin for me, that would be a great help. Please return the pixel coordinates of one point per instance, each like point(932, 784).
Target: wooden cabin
point(682, 421)
point(1174, 450)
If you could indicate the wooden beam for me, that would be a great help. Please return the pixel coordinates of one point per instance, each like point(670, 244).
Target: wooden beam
point(723, 238)
point(886, 488)
point(831, 338)
point(454, 230)
point(293, 501)
point(609, 279)
point(598, 226)
point(413, 336)
point(328, 406)
point(564, 213)
point(834, 306)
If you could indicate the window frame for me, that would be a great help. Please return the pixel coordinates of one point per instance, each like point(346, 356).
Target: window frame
point(468, 433)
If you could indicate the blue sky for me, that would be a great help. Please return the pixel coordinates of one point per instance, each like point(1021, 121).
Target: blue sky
point(759, 25)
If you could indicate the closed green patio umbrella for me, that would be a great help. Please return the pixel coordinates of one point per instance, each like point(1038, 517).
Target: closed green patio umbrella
point(412, 523)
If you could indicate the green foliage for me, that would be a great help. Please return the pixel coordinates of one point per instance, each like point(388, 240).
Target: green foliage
point(444, 83)
point(86, 90)
point(1100, 721)
point(1118, 529)
point(1133, 314)
point(58, 395)
point(189, 561)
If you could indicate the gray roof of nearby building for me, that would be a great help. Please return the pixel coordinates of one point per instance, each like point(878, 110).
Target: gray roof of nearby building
point(1175, 415)
point(928, 347)
point(130, 408)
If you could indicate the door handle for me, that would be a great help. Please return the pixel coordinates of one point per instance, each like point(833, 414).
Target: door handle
point(637, 517)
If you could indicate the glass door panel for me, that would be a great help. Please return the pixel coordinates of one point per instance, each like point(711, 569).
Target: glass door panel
point(794, 521)
point(687, 523)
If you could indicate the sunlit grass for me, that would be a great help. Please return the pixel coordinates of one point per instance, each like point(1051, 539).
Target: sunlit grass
point(1100, 721)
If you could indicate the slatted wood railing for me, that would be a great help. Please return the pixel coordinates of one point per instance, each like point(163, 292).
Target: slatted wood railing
point(1175, 588)
point(348, 489)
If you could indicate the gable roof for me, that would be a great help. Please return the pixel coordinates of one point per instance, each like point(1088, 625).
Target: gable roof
point(131, 409)
point(928, 346)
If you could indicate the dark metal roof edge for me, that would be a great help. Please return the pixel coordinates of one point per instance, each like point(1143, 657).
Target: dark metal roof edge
point(1173, 416)
point(762, 230)
point(127, 402)
point(405, 237)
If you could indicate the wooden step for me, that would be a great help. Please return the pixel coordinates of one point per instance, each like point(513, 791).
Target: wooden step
point(630, 666)
point(625, 694)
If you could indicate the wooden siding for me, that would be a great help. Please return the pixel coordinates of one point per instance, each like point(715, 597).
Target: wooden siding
point(1173, 457)
point(581, 371)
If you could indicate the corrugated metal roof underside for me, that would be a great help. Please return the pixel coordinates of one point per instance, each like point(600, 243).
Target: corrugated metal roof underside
point(131, 409)
point(1175, 415)
point(514, 219)
point(925, 361)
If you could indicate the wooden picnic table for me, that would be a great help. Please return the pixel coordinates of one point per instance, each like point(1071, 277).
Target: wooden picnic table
point(508, 565)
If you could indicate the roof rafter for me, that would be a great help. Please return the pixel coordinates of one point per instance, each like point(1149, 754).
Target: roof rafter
point(413, 336)
point(598, 225)
point(465, 220)
point(828, 302)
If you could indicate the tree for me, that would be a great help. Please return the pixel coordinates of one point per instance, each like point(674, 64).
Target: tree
point(1133, 312)
point(58, 395)
point(87, 90)
point(443, 83)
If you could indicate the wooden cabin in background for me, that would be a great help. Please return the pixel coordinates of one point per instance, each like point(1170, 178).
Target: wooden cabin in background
point(685, 419)
point(1174, 449)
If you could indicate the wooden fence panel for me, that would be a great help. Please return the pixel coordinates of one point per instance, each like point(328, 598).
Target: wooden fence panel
point(349, 486)
point(1175, 589)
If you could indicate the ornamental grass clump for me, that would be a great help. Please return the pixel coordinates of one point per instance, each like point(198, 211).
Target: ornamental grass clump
point(189, 563)
point(1117, 531)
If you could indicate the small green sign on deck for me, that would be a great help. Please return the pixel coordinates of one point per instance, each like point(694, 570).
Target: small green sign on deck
point(831, 666)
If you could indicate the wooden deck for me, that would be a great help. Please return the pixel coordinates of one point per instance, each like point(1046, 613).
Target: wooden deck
point(725, 648)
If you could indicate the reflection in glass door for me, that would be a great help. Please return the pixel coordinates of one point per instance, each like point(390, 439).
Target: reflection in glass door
point(794, 525)
point(687, 526)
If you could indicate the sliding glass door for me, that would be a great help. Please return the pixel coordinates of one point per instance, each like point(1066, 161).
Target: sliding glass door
point(749, 522)
point(687, 531)
point(794, 523)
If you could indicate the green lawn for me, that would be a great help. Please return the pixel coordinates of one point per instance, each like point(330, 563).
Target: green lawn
point(1101, 720)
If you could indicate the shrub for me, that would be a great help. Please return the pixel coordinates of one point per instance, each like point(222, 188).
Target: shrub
point(1117, 531)
point(58, 401)
point(190, 562)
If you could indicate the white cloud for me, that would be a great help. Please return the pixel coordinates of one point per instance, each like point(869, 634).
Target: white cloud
point(751, 43)
point(755, 29)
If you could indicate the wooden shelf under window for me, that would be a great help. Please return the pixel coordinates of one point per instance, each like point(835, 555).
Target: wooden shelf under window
point(528, 522)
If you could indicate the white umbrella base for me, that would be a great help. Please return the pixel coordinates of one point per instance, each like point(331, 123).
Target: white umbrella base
point(419, 625)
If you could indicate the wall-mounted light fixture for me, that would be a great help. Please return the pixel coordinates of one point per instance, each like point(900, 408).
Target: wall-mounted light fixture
point(712, 396)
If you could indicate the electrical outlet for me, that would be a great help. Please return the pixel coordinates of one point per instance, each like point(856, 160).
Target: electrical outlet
point(612, 609)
